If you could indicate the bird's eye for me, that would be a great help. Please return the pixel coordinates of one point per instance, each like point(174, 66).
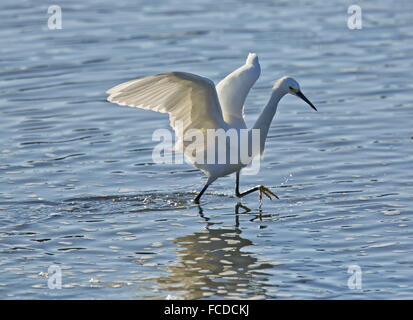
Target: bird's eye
point(293, 89)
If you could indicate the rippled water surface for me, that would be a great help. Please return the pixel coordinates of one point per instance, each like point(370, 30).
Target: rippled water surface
point(79, 188)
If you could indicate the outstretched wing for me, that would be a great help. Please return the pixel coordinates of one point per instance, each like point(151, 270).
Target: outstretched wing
point(190, 100)
point(233, 90)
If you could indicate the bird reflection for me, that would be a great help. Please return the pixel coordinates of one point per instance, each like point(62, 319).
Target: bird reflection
point(214, 262)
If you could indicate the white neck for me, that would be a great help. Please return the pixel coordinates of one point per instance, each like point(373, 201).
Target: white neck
point(264, 120)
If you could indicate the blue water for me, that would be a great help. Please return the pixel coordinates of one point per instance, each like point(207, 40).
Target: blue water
point(79, 188)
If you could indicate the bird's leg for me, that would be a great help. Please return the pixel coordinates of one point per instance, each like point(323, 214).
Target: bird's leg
point(263, 190)
point(196, 200)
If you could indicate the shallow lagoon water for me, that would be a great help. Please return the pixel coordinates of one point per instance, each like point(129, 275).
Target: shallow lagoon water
point(79, 188)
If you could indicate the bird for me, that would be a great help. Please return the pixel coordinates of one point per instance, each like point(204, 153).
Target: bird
point(194, 102)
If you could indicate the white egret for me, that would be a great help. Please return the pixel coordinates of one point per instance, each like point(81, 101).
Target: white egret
point(196, 103)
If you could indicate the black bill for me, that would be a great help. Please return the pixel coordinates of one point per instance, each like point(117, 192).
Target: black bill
point(300, 94)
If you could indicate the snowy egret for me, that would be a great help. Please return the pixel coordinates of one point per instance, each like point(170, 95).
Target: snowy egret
point(195, 103)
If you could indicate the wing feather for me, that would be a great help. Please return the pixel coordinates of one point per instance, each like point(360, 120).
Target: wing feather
point(233, 90)
point(186, 97)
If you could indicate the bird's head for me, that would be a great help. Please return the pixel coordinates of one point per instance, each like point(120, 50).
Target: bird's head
point(289, 85)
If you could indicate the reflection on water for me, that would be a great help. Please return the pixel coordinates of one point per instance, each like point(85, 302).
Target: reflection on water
point(215, 262)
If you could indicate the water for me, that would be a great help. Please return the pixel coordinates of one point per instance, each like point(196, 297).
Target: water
point(79, 188)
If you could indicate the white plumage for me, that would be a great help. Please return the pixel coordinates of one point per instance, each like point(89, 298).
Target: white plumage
point(234, 88)
point(193, 102)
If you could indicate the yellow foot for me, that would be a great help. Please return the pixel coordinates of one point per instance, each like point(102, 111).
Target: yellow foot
point(268, 193)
